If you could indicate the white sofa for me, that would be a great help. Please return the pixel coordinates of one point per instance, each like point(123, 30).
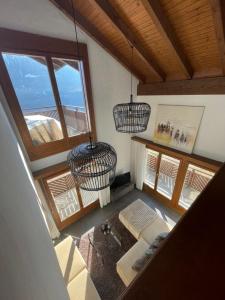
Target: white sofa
point(75, 273)
point(145, 225)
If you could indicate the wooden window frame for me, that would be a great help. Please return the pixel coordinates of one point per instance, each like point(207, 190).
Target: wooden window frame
point(185, 160)
point(30, 44)
point(42, 176)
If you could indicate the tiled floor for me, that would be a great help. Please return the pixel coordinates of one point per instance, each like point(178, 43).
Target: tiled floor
point(98, 216)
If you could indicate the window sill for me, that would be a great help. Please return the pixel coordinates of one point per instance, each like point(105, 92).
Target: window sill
point(56, 147)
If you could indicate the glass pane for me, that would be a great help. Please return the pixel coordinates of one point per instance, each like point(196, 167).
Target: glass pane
point(64, 194)
point(71, 90)
point(88, 197)
point(151, 167)
point(167, 175)
point(195, 181)
point(31, 82)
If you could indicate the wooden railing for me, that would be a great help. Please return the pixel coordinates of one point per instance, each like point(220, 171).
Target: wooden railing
point(75, 116)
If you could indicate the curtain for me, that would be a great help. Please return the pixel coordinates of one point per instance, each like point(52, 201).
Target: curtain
point(138, 163)
point(104, 197)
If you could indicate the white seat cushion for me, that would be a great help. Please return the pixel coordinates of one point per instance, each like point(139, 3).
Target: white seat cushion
point(70, 260)
point(82, 287)
point(124, 265)
point(137, 216)
point(153, 230)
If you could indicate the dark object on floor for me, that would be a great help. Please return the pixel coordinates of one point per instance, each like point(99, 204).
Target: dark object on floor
point(121, 180)
point(102, 263)
point(121, 191)
point(106, 228)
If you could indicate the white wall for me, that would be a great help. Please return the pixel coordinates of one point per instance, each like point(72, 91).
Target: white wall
point(29, 268)
point(110, 81)
point(210, 140)
point(53, 230)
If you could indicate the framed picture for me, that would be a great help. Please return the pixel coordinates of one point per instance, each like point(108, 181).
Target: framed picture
point(177, 126)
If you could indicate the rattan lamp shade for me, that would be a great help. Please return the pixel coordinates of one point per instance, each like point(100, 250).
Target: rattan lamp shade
point(131, 117)
point(93, 165)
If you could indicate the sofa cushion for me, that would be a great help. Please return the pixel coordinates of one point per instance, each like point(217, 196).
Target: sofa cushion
point(124, 265)
point(82, 287)
point(144, 259)
point(154, 229)
point(70, 260)
point(137, 216)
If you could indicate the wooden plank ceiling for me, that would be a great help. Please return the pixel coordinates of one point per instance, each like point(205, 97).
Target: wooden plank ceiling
point(172, 39)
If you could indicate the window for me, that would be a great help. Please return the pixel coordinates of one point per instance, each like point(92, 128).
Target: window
point(31, 82)
point(161, 172)
point(66, 201)
point(70, 86)
point(151, 167)
point(195, 181)
point(49, 94)
point(168, 170)
point(88, 197)
point(64, 195)
point(175, 178)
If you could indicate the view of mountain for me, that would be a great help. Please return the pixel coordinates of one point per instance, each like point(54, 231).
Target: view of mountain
point(31, 82)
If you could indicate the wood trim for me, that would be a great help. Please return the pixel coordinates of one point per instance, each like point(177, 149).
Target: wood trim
point(79, 197)
point(51, 170)
point(56, 95)
point(198, 160)
point(179, 185)
point(91, 30)
point(55, 147)
point(24, 42)
point(120, 25)
point(157, 170)
point(203, 86)
point(162, 23)
point(30, 44)
point(50, 202)
point(88, 89)
point(218, 12)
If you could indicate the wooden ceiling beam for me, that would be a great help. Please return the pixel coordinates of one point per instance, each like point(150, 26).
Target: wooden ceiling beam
point(163, 24)
point(218, 11)
point(203, 86)
point(124, 29)
point(85, 25)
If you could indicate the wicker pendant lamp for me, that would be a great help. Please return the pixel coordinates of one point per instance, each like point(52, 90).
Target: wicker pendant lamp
point(131, 117)
point(92, 164)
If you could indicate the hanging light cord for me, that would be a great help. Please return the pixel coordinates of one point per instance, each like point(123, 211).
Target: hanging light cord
point(131, 75)
point(78, 55)
point(75, 29)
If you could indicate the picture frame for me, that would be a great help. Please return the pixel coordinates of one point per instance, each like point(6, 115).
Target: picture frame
point(177, 126)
